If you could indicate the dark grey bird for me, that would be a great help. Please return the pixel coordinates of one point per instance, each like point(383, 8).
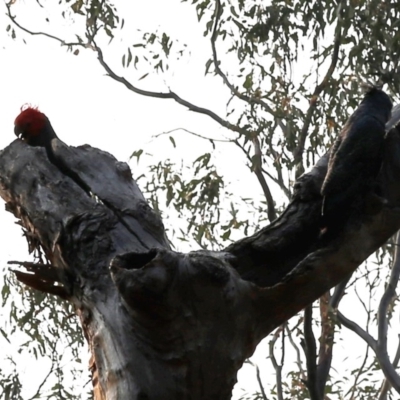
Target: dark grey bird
point(356, 157)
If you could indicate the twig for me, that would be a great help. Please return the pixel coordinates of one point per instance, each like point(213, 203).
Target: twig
point(36, 395)
point(251, 161)
point(264, 396)
point(387, 367)
point(298, 152)
point(258, 171)
point(256, 164)
point(48, 35)
point(297, 350)
point(233, 89)
point(366, 308)
point(279, 182)
point(192, 133)
point(360, 370)
point(279, 170)
point(54, 362)
point(353, 326)
point(277, 367)
point(166, 95)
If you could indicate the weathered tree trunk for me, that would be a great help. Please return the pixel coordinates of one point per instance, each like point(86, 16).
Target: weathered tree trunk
point(166, 325)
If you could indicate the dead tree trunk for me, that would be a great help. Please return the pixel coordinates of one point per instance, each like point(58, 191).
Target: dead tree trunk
point(166, 325)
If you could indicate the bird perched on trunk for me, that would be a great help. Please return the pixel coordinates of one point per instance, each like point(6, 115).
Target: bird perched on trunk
point(356, 157)
point(34, 128)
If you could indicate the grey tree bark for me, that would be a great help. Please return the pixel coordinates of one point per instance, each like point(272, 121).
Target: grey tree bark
point(167, 325)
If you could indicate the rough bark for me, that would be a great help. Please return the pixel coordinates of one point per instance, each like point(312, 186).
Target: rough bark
point(166, 325)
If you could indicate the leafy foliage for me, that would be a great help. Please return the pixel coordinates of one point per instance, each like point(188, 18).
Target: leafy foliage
point(55, 344)
point(193, 202)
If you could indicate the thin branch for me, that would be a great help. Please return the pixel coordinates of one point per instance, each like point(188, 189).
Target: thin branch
point(298, 152)
point(192, 133)
point(48, 35)
point(386, 384)
point(297, 350)
point(258, 171)
point(280, 182)
point(353, 326)
point(387, 367)
point(232, 88)
point(256, 164)
point(277, 367)
point(264, 396)
point(54, 362)
point(359, 372)
point(366, 308)
point(251, 161)
point(36, 395)
point(362, 276)
point(310, 351)
point(166, 95)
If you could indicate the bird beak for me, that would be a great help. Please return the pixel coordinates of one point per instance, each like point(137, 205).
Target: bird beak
point(18, 132)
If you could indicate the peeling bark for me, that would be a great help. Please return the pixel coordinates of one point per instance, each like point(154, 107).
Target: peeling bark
point(166, 325)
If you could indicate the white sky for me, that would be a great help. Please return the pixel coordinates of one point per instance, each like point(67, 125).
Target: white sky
point(85, 106)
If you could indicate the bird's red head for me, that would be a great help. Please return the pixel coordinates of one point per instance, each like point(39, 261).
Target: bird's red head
point(29, 122)
point(33, 127)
